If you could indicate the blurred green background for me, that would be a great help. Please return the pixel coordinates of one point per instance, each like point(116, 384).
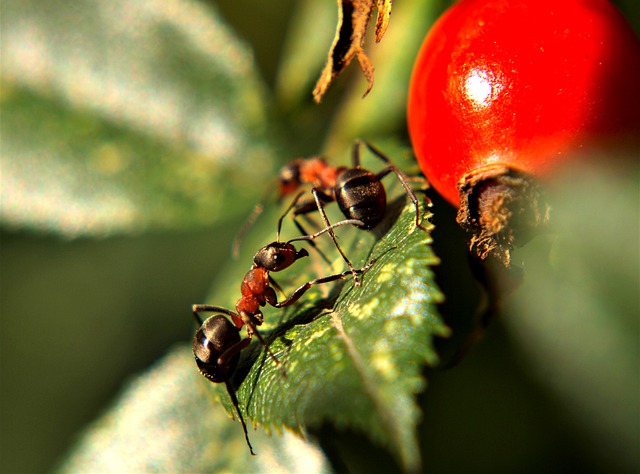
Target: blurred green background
point(136, 136)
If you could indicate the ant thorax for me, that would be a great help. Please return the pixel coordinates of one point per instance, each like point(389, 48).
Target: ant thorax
point(256, 292)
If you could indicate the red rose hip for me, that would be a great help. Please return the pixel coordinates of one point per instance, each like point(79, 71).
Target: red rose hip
point(506, 90)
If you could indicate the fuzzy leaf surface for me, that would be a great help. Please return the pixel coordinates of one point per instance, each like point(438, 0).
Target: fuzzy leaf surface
point(123, 116)
point(166, 421)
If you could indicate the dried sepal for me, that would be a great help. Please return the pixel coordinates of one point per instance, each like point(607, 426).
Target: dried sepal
point(353, 20)
point(382, 21)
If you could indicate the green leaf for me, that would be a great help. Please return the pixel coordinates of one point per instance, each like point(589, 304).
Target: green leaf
point(576, 316)
point(121, 116)
point(164, 421)
point(354, 355)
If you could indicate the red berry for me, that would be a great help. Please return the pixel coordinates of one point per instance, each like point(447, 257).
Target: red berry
point(519, 86)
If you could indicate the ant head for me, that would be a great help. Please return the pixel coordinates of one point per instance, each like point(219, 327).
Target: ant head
point(216, 335)
point(289, 177)
point(277, 256)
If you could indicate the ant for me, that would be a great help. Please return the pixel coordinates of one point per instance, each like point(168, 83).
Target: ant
point(217, 342)
point(358, 192)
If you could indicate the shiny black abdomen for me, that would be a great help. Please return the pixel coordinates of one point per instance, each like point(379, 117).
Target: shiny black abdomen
point(361, 195)
point(216, 335)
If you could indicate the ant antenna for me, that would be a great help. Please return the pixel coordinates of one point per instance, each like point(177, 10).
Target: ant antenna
point(255, 213)
point(234, 400)
point(310, 237)
point(284, 214)
point(291, 206)
point(253, 217)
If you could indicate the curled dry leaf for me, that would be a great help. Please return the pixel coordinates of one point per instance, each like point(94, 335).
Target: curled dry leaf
point(382, 21)
point(353, 20)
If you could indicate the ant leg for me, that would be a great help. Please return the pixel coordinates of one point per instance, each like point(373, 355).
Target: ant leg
point(405, 183)
point(233, 350)
point(355, 153)
point(379, 154)
point(295, 296)
point(310, 237)
point(287, 210)
point(311, 242)
point(255, 213)
point(275, 284)
point(329, 228)
point(308, 206)
point(244, 319)
point(207, 308)
point(404, 180)
point(357, 145)
point(253, 330)
point(375, 150)
point(303, 208)
point(234, 400)
point(235, 246)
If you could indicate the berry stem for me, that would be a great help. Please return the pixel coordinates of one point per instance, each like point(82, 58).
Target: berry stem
point(500, 206)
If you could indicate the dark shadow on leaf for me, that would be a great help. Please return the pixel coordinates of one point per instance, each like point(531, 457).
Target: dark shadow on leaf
point(349, 451)
point(392, 214)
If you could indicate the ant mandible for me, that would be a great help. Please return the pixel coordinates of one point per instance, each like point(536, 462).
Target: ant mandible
point(217, 342)
point(358, 192)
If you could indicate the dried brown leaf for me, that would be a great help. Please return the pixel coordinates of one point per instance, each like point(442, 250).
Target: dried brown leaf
point(382, 22)
point(353, 20)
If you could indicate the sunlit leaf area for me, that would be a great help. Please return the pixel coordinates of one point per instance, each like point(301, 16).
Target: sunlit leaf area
point(137, 138)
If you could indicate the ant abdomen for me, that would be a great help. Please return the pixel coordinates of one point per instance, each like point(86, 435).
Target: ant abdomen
point(361, 195)
point(213, 348)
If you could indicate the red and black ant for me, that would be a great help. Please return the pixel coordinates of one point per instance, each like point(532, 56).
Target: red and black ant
point(217, 342)
point(358, 192)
